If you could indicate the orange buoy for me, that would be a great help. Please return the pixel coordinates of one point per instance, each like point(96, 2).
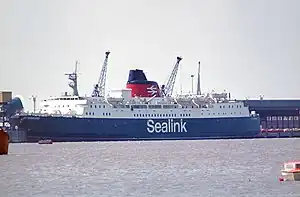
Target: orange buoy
point(4, 141)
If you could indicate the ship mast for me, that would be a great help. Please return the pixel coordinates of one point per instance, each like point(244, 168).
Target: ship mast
point(73, 80)
point(198, 82)
point(167, 89)
point(99, 88)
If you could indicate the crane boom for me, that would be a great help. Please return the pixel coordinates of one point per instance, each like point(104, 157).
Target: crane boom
point(99, 88)
point(168, 88)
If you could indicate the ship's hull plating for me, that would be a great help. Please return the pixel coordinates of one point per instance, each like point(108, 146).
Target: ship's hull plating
point(100, 129)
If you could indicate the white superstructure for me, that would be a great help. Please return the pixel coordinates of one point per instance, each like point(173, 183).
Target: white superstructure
point(125, 106)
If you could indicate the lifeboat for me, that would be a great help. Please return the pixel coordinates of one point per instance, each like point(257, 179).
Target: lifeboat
point(4, 142)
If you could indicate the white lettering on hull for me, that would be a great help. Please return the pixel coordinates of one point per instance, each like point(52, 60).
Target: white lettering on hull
point(170, 126)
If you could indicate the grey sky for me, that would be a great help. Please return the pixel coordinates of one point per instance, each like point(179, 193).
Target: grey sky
point(247, 47)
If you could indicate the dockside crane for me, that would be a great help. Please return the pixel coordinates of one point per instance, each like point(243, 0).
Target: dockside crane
point(167, 89)
point(99, 88)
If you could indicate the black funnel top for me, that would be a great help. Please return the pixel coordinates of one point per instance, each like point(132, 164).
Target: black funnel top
point(136, 75)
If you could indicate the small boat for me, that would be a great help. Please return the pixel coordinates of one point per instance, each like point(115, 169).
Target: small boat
point(45, 142)
point(291, 171)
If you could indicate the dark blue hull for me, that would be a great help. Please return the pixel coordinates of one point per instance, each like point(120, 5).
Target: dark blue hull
point(98, 129)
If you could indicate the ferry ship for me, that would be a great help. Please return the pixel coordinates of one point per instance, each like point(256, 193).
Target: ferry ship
point(141, 111)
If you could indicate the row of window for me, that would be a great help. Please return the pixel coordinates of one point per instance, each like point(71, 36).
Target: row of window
point(61, 106)
point(67, 98)
point(99, 106)
point(161, 115)
point(151, 107)
point(139, 106)
point(165, 106)
point(231, 106)
point(92, 113)
point(282, 118)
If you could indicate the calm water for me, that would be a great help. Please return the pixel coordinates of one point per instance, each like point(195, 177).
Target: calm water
point(170, 168)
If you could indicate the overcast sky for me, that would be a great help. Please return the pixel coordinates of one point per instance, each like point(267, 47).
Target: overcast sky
point(248, 47)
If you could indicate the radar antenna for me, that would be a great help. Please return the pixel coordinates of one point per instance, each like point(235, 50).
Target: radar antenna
point(99, 88)
point(73, 80)
point(167, 89)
